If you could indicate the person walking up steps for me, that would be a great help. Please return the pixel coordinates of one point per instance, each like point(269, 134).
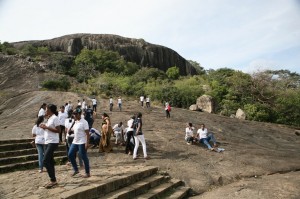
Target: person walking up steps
point(80, 143)
point(52, 130)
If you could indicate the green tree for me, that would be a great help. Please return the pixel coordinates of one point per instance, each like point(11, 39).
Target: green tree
point(173, 73)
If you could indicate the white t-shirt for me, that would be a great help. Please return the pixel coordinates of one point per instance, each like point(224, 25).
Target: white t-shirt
point(79, 131)
point(83, 106)
point(51, 137)
point(110, 100)
point(117, 128)
point(119, 101)
point(147, 99)
point(94, 101)
point(68, 125)
point(39, 132)
point(202, 133)
point(189, 132)
point(129, 124)
point(142, 98)
point(62, 116)
point(66, 108)
point(41, 112)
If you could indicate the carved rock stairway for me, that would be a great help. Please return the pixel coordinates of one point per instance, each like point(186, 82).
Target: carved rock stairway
point(19, 154)
point(144, 183)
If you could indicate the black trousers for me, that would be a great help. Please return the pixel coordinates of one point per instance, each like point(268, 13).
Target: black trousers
point(49, 160)
point(129, 136)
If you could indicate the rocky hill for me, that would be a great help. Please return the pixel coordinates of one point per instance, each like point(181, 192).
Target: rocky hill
point(133, 50)
point(261, 160)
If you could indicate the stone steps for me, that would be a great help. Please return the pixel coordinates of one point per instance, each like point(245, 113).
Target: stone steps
point(24, 158)
point(19, 154)
point(29, 151)
point(138, 184)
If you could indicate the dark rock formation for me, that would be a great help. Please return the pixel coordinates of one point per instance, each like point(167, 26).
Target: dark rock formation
point(133, 50)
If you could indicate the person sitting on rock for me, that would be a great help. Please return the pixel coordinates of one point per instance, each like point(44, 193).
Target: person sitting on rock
point(189, 133)
point(205, 138)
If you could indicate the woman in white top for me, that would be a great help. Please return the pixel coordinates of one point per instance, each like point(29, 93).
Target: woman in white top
point(42, 110)
point(80, 143)
point(38, 133)
point(189, 133)
point(52, 129)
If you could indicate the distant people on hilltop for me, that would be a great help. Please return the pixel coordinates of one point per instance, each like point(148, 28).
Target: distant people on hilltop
point(168, 110)
point(94, 102)
point(142, 100)
point(111, 104)
point(148, 102)
point(120, 103)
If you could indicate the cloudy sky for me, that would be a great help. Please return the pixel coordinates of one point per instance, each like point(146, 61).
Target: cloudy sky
point(246, 35)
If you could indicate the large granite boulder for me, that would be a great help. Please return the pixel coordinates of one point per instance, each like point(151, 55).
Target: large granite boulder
point(206, 103)
point(240, 114)
point(133, 50)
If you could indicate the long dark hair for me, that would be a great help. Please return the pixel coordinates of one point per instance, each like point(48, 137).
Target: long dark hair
point(39, 120)
point(52, 108)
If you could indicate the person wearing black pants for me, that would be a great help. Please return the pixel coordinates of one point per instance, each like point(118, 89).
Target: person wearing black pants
point(130, 132)
point(52, 130)
point(49, 160)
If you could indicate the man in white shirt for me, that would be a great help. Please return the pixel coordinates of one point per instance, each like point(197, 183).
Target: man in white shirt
point(205, 138)
point(111, 103)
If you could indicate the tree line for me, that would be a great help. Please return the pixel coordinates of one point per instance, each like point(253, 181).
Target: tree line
point(267, 96)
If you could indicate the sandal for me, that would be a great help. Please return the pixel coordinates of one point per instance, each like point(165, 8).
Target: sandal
point(50, 185)
point(86, 175)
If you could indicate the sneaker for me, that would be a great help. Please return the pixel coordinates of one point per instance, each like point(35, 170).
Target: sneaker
point(147, 158)
point(188, 143)
point(41, 171)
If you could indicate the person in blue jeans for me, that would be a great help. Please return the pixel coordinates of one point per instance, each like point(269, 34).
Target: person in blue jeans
point(38, 134)
point(205, 138)
point(80, 143)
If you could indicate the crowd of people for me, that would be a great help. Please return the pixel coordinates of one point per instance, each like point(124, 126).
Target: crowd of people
point(73, 126)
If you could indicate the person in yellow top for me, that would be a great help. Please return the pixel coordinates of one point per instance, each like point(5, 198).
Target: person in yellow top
point(107, 131)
